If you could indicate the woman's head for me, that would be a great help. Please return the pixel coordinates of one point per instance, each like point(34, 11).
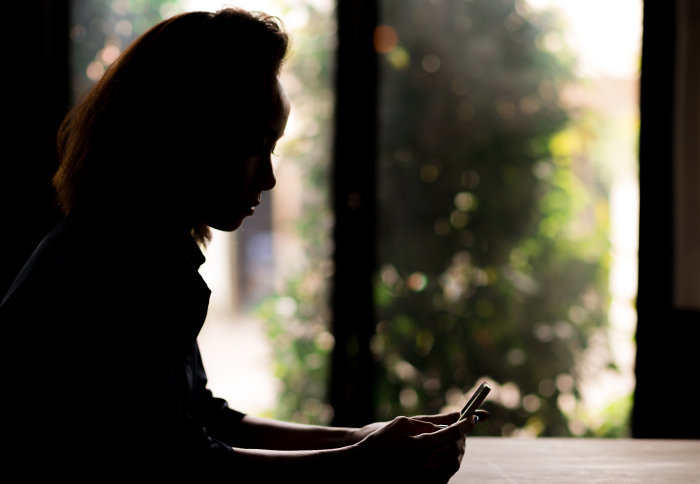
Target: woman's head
point(192, 96)
point(233, 184)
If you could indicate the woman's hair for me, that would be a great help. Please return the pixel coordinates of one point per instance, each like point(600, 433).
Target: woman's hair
point(191, 90)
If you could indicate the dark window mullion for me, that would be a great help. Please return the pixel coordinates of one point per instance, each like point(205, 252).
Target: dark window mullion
point(353, 190)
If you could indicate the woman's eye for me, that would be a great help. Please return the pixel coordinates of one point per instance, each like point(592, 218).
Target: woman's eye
point(268, 148)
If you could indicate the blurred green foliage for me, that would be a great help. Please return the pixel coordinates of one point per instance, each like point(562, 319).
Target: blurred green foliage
point(297, 318)
point(493, 226)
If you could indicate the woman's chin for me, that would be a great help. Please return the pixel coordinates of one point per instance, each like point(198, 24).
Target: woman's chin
point(227, 225)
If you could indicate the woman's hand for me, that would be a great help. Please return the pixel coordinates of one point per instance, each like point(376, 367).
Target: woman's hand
point(427, 448)
point(443, 419)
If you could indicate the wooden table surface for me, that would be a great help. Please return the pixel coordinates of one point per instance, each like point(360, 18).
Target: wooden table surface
point(579, 460)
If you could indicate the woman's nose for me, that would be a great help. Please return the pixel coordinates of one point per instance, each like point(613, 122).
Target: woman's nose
point(266, 175)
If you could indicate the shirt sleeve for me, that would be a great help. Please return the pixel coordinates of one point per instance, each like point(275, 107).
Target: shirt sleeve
point(220, 421)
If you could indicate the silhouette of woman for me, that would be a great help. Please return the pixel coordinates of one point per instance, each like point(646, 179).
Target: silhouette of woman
point(101, 323)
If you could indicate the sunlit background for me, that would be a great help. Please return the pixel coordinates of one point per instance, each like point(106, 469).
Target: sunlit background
point(606, 37)
point(266, 340)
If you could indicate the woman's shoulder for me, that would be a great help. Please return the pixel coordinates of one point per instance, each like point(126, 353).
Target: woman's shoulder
point(72, 254)
point(44, 258)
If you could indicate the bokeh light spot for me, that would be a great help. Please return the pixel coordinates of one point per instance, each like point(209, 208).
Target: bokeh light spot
point(431, 63)
point(385, 39)
point(417, 281)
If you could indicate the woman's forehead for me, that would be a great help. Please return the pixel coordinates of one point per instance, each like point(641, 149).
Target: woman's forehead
point(280, 110)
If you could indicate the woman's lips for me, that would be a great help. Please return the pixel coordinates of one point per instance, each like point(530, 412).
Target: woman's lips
point(250, 209)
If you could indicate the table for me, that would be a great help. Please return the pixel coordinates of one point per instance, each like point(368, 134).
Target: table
point(579, 460)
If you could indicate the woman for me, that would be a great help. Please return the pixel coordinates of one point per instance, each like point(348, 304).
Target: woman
point(103, 319)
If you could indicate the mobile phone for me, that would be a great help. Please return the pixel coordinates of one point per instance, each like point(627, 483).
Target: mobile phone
point(475, 400)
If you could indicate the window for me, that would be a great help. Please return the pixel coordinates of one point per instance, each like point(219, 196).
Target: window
point(508, 208)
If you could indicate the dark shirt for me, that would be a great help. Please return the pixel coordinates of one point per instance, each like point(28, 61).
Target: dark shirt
point(99, 335)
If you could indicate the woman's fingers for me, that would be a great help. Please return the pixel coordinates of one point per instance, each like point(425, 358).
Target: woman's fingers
point(444, 436)
point(439, 419)
point(447, 419)
point(483, 415)
point(414, 427)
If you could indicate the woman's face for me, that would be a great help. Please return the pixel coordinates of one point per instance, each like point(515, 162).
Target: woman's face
point(233, 192)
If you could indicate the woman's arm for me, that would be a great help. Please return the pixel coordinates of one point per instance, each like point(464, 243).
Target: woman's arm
point(262, 433)
point(309, 466)
point(404, 449)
